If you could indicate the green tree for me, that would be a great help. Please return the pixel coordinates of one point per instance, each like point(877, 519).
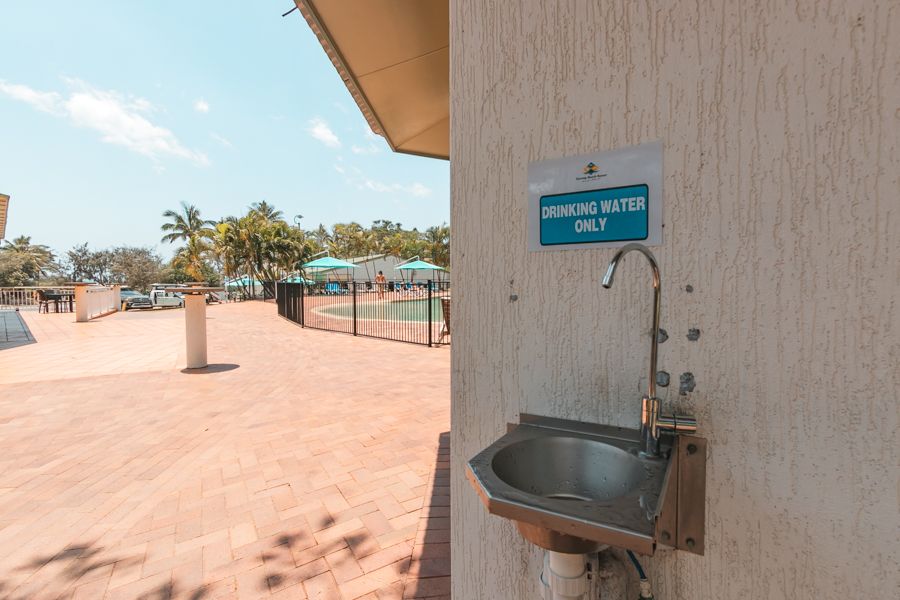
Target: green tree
point(191, 258)
point(185, 225)
point(14, 270)
point(321, 237)
point(198, 236)
point(266, 211)
point(84, 264)
point(138, 268)
point(29, 261)
point(260, 245)
point(437, 244)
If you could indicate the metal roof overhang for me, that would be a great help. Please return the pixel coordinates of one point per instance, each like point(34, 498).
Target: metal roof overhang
point(394, 57)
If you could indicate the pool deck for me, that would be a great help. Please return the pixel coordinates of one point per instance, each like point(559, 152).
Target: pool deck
point(301, 464)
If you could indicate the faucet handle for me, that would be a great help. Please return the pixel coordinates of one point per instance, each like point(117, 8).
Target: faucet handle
point(677, 423)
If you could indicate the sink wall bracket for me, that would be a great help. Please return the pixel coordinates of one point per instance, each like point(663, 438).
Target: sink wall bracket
point(682, 520)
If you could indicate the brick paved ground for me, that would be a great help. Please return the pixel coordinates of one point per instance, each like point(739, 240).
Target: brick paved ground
point(303, 464)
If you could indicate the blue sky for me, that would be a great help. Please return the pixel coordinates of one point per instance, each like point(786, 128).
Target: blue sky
point(111, 112)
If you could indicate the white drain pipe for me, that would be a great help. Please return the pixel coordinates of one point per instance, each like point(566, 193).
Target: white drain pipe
point(564, 576)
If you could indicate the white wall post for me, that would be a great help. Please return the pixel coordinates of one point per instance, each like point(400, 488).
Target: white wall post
point(195, 330)
point(81, 303)
point(116, 297)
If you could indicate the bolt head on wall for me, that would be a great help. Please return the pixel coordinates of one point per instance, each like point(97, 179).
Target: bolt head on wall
point(662, 379)
point(686, 383)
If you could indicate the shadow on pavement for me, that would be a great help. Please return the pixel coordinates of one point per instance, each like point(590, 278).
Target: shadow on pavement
point(210, 369)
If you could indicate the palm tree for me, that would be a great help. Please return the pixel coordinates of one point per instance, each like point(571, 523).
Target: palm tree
point(192, 257)
point(186, 225)
point(437, 244)
point(266, 211)
point(37, 259)
point(321, 237)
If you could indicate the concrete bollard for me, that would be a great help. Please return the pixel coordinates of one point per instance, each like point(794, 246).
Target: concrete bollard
point(195, 322)
point(195, 330)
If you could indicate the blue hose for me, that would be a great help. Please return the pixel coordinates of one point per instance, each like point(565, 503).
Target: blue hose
point(637, 565)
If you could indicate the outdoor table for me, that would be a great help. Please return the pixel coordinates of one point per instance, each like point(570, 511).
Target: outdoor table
point(195, 322)
point(58, 297)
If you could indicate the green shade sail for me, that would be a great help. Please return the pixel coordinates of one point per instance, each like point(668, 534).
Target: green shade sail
point(242, 282)
point(417, 265)
point(327, 262)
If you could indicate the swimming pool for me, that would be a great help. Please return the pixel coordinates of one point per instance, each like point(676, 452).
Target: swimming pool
point(388, 310)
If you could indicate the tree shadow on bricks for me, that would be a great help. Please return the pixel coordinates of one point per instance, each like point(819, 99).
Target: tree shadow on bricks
point(429, 572)
point(49, 575)
point(296, 557)
point(58, 575)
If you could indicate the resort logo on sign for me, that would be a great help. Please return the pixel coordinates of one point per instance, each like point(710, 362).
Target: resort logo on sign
point(590, 172)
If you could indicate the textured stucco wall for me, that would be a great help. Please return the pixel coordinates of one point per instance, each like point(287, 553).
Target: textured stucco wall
point(781, 125)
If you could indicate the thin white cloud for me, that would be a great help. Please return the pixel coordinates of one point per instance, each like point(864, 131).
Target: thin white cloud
point(414, 189)
point(48, 102)
point(319, 129)
point(201, 105)
point(373, 143)
point(356, 178)
point(418, 189)
point(117, 118)
point(367, 149)
point(222, 140)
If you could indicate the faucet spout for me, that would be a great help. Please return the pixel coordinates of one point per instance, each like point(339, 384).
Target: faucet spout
point(650, 403)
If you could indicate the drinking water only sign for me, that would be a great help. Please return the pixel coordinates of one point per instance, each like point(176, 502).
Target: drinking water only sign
point(604, 215)
point(601, 199)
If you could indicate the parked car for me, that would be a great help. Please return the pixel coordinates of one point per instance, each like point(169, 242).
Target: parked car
point(132, 299)
point(162, 295)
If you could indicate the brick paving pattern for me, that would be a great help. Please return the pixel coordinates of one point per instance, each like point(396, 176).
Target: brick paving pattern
point(301, 464)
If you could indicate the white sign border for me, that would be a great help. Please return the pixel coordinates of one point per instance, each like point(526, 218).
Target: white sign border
point(633, 165)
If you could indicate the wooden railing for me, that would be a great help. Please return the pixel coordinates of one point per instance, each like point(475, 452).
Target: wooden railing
point(23, 296)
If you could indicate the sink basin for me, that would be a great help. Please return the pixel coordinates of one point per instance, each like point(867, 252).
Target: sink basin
point(564, 467)
point(574, 487)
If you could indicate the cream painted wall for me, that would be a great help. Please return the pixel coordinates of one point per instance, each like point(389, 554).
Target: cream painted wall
point(781, 125)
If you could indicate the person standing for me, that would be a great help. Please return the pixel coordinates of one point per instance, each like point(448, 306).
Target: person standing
point(380, 282)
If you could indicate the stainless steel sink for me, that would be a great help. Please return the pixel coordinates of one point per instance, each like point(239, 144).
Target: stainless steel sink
point(566, 467)
point(573, 487)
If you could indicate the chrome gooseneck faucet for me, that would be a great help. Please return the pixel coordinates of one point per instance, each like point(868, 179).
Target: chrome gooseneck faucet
point(651, 421)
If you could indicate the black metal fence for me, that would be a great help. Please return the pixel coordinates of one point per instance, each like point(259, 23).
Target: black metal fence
point(418, 313)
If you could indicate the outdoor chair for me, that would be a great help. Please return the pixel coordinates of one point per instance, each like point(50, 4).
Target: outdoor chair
point(445, 328)
point(44, 301)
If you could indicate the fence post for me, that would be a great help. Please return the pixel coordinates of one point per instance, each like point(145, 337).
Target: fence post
point(430, 316)
point(302, 311)
point(353, 286)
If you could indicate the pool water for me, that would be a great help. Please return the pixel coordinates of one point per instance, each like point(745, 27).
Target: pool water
point(388, 310)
